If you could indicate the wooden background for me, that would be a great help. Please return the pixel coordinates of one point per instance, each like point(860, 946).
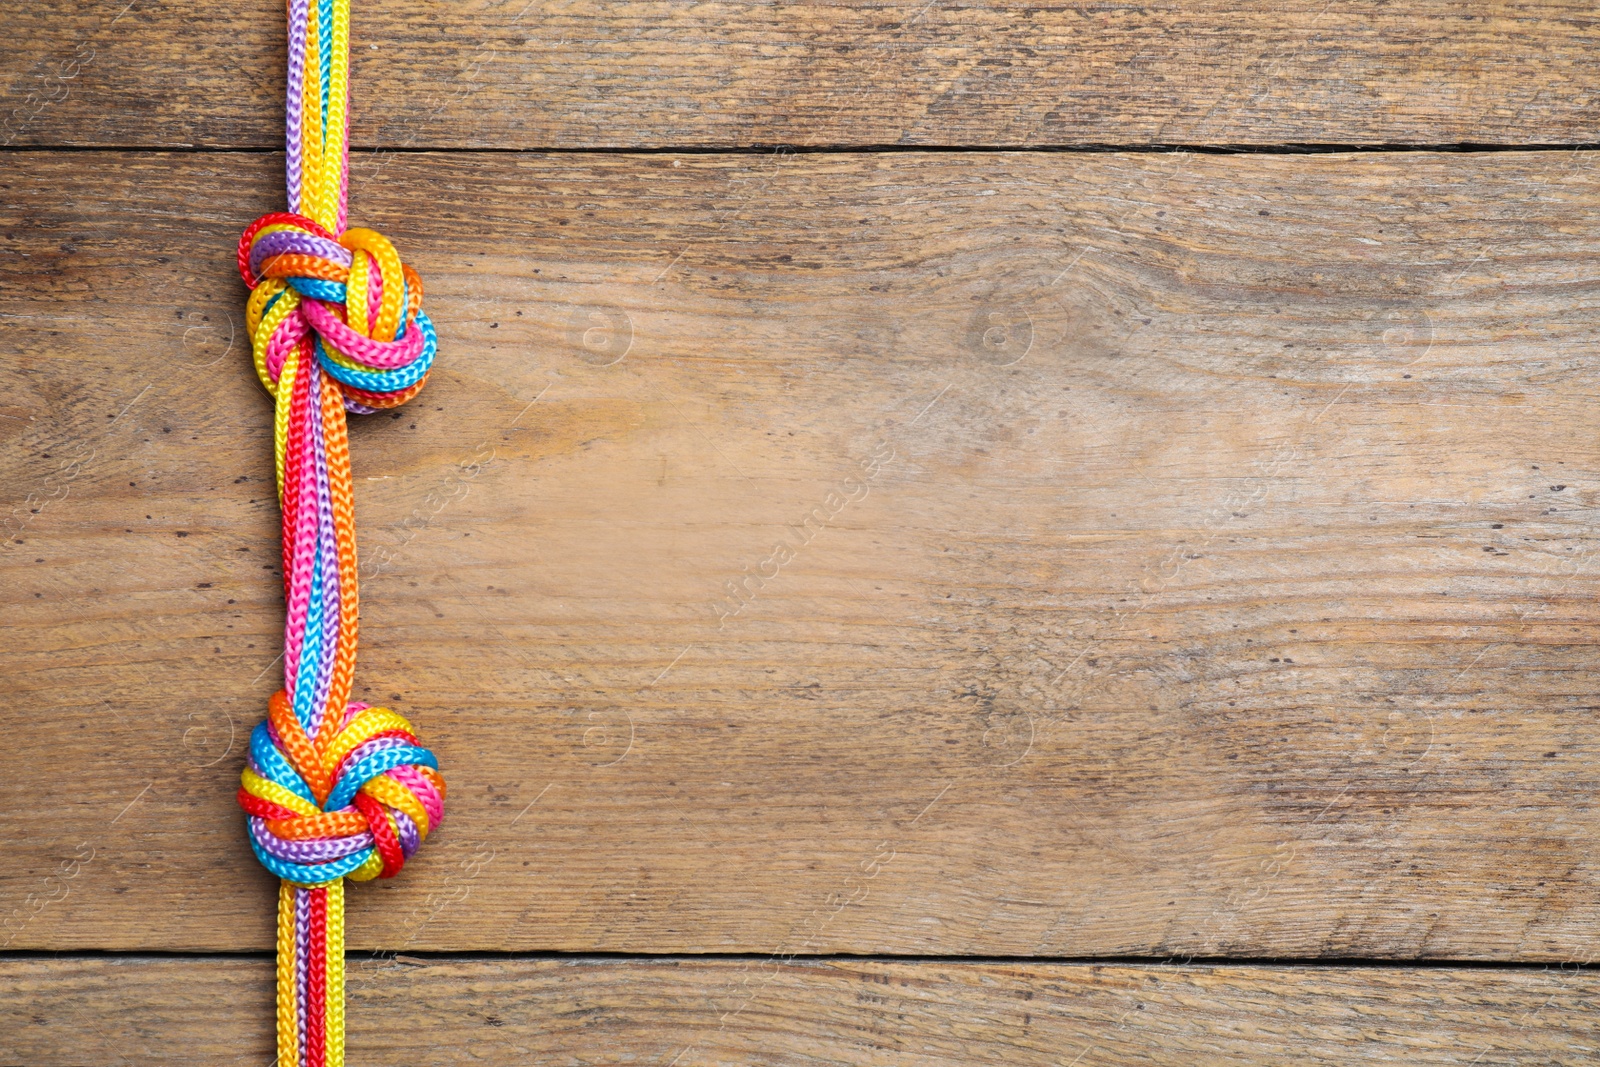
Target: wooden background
point(941, 533)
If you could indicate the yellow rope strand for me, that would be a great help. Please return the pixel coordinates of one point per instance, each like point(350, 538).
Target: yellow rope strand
point(335, 1018)
point(288, 1024)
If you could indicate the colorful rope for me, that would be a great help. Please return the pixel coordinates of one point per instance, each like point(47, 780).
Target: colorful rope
point(333, 789)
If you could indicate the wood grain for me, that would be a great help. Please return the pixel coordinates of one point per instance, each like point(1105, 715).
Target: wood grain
point(1185, 554)
point(67, 1011)
point(511, 74)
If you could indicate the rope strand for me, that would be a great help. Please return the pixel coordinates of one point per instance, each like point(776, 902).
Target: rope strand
point(332, 789)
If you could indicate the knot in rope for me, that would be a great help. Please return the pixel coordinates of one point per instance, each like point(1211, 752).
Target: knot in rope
point(357, 800)
point(360, 307)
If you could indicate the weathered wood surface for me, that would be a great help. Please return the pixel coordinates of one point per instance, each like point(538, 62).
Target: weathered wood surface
point(68, 1011)
point(515, 74)
point(1190, 554)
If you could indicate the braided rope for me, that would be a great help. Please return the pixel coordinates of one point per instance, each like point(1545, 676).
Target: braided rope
point(333, 789)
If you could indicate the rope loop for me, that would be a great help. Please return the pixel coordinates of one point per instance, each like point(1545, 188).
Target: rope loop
point(356, 802)
point(350, 297)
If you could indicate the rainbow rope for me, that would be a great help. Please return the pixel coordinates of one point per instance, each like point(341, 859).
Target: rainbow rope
point(333, 789)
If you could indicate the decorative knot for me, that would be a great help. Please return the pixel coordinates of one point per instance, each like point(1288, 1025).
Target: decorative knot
point(356, 802)
point(350, 295)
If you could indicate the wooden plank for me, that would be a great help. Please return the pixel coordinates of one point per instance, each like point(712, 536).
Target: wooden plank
point(509, 74)
point(1185, 555)
point(697, 1012)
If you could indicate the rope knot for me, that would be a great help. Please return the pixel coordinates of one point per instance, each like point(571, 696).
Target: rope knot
point(356, 801)
point(349, 296)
